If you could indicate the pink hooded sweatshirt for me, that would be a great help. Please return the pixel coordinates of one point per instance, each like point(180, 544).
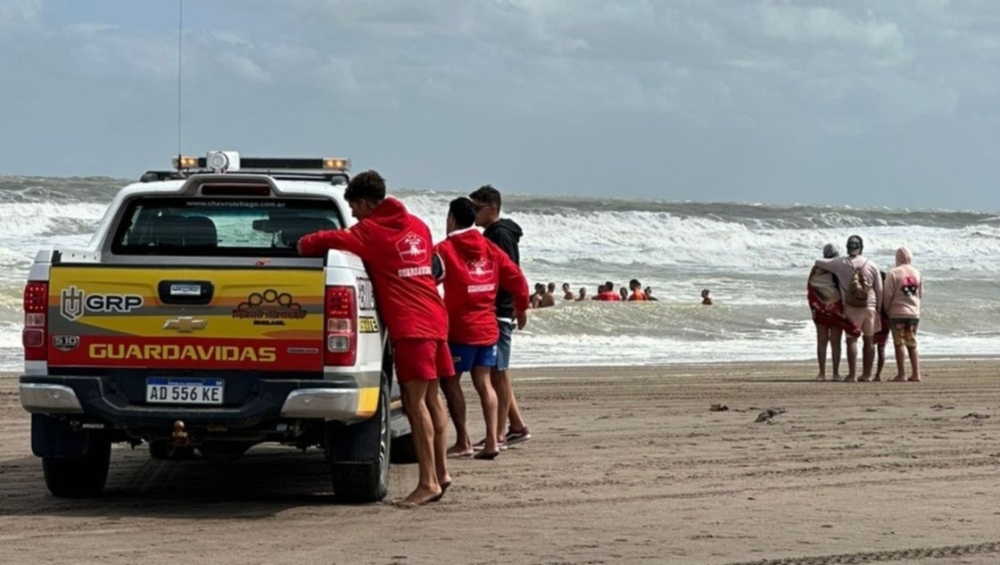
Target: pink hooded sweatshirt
point(904, 286)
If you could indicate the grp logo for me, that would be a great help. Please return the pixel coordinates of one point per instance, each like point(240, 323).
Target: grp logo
point(75, 302)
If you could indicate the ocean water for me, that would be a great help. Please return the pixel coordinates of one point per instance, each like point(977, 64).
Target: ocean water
point(753, 257)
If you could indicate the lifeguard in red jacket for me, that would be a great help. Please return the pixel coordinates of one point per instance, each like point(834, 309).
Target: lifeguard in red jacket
point(397, 250)
point(473, 270)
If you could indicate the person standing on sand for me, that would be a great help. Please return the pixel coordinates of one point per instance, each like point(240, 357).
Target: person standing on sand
point(904, 289)
point(474, 269)
point(506, 234)
point(412, 309)
point(826, 305)
point(865, 318)
point(881, 336)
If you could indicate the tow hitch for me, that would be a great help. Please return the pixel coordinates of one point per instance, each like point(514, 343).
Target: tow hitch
point(180, 437)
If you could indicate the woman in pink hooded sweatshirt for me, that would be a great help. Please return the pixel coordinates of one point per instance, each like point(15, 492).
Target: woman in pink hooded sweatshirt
point(904, 287)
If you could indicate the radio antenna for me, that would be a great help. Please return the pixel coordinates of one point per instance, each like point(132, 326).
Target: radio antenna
point(180, 45)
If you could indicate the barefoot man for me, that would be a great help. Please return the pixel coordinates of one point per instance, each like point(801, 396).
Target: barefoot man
point(474, 269)
point(396, 248)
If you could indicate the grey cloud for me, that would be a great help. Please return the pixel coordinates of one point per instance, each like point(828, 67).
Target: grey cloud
point(793, 96)
point(20, 13)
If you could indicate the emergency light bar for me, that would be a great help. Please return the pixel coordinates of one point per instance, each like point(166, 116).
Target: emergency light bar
point(231, 161)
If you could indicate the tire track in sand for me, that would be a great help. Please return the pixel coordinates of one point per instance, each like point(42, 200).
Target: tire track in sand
point(884, 556)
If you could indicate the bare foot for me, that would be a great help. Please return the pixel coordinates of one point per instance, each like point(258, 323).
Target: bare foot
point(821, 377)
point(915, 379)
point(488, 455)
point(460, 452)
point(899, 379)
point(419, 497)
point(864, 379)
point(877, 379)
point(836, 378)
point(850, 379)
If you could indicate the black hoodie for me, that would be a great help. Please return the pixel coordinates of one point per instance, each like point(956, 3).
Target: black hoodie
point(506, 234)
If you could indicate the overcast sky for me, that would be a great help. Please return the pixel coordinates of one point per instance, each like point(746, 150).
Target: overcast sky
point(857, 102)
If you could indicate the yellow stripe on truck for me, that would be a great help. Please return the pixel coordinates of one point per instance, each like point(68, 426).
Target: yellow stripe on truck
point(367, 401)
point(284, 304)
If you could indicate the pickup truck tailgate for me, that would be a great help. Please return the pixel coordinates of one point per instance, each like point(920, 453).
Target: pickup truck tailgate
point(263, 319)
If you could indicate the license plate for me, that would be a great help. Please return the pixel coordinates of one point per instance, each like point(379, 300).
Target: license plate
point(167, 390)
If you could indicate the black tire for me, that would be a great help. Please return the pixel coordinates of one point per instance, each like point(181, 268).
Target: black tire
point(162, 449)
point(359, 455)
point(79, 477)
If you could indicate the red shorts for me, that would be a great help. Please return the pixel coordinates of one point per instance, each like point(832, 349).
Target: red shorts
point(880, 337)
point(419, 359)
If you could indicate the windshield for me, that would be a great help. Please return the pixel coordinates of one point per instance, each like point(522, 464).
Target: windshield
point(221, 227)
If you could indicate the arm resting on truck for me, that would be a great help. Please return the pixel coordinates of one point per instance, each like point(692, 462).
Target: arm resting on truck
point(318, 243)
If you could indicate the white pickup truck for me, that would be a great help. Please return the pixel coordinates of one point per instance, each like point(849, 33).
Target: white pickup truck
point(190, 323)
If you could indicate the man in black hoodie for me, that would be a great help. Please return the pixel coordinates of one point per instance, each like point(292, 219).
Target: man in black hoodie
point(505, 234)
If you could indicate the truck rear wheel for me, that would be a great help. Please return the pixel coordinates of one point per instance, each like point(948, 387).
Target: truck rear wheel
point(359, 455)
point(79, 477)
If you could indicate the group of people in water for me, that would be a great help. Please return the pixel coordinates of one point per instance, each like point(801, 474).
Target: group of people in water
point(851, 297)
point(545, 295)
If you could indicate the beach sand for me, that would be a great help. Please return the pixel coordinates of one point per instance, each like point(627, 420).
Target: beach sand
point(627, 465)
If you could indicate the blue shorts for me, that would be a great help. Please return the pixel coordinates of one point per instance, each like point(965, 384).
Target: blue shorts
point(468, 356)
point(503, 344)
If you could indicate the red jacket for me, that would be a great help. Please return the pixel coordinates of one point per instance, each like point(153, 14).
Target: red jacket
point(474, 269)
point(396, 249)
point(609, 295)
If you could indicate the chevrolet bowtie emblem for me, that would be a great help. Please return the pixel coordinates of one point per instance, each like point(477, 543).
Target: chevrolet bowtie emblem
point(185, 324)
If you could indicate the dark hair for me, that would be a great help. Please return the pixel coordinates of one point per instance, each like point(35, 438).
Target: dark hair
point(464, 212)
point(609, 285)
point(634, 283)
point(487, 195)
point(855, 243)
point(552, 286)
point(368, 185)
point(539, 286)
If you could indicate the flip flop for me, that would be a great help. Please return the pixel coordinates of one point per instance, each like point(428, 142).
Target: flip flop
point(462, 455)
point(487, 455)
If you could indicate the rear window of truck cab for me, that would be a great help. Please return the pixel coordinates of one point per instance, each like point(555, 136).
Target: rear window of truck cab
point(221, 227)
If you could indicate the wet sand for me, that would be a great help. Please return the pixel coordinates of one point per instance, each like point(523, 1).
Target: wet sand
point(627, 465)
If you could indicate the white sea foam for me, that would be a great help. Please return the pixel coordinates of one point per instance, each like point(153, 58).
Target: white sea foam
point(754, 258)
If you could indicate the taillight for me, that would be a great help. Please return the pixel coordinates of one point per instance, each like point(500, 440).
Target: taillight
point(36, 304)
point(340, 309)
